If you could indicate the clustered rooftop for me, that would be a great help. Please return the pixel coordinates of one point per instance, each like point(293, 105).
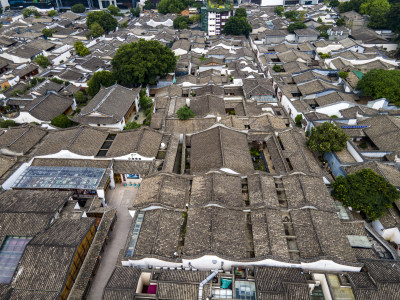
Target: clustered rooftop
point(229, 204)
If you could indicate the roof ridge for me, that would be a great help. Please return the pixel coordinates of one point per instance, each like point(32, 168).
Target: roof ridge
point(75, 137)
point(102, 101)
point(19, 137)
point(44, 98)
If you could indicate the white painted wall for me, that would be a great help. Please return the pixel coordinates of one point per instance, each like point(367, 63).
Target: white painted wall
point(208, 262)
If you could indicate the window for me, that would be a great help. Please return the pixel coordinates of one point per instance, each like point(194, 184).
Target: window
point(10, 254)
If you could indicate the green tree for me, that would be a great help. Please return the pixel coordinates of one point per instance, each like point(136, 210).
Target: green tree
point(343, 74)
point(148, 5)
point(52, 13)
point(334, 3)
point(185, 113)
point(297, 25)
point(96, 30)
point(80, 49)
point(7, 123)
point(42, 61)
point(290, 14)
point(365, 191)
point(80, 97)
point(393, 17)
point(78, 8)
point(62, 121)
point(294, 15)
point(340, 22)
point(195, 19)
point(279, 10)
point(277, 68)
point(327, 138)
point(29, 12)
point(101, 78)
point(113, 10)
point(182, 22)
point(172, 6)
point(131, 125)
point(350, 5)
point(142, 62)
point(298, 119)
point(144, 101)
point(241, 13)
point(135, 12)
point(106, 20)
point(381, 84)
point(237, 26)
point(48, 32)
point(377, 11)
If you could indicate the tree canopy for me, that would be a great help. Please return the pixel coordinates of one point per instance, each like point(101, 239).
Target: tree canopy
point(48, 32)
point(42, 61)
point(96, 30)
point(132, 125)
point(135, 11)
point(340, 22)
point(172, 6)
point(327, 138)
point(78, 8)
point(80, 49)
point(7, 123)
point(279, 10)
point(383, 13)
point(101, 78)
point(148, 5)
point(144, 101)
point(296, 25)
point(381, 84)
point(52, 13)
point(241, 12)
point(142, 62)
point(365, 191)
point(237, 26)
point(29, 12)
point(80, 97)
point(182, 22)
point(62, 121)
point(377, 11)
point(103, 18)
point(185, 113)
point(115, 11)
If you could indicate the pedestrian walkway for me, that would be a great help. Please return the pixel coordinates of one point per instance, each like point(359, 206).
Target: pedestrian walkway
point(120, 198)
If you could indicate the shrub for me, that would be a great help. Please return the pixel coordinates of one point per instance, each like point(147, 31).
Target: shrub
point(7, 123)
point(131, 125)
point(62, 121)
point(298, 119)
point(279, 10)
point(185, 113)
point(42, 61)
point(277, 68)
point(80, 49)
point(343, 74)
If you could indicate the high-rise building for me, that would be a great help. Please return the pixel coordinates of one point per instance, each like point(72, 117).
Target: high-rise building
point(214, 16)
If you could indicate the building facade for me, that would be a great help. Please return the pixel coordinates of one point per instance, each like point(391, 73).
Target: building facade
point(214, 17)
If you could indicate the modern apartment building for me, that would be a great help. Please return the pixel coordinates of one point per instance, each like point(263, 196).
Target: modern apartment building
point(214, 16)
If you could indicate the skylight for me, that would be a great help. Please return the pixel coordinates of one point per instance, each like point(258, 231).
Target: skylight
point(10, 254)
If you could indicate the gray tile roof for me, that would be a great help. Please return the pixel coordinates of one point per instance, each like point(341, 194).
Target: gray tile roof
point(20, 140)
point(226, 148)
point(109, 106)
point(48, 107)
